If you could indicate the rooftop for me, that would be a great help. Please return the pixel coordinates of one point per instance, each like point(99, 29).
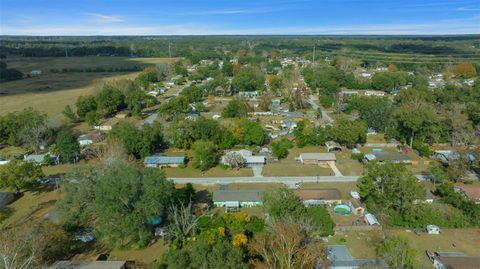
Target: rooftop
point(88, 265)
point(459, 262)
point(238, 195)
point(164, 159)
point(318, 156)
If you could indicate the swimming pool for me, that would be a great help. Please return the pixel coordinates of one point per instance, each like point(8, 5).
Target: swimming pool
point(343, 210)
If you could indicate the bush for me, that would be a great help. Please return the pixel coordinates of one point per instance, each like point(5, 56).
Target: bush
point(327, 101)
point(357, 156)
point(422, 148)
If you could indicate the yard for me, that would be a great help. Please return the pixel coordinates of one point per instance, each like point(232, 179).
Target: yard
point(454, 240)
point(362, 244)
point(146, 255)
point(343, 187)
point(190, 171)
point(290, 167)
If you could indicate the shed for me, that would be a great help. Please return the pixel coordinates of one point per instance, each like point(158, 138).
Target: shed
point(312, 197)
point(371, 219)
point(317, 158)
point(164, 161)
point(433, 229)
point(6, 198)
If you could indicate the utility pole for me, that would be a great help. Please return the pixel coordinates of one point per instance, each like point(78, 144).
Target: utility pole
point(169, 51)
point(313, 58)
point(66, 52)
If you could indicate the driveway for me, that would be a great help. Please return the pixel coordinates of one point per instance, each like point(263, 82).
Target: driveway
point(335, 169)
point(257, 170)
point(315, 106)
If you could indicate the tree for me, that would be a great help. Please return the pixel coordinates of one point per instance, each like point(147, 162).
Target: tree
point(92, 118)
point(389, 186)
point(376, 112)
point(193, 94)
point(287, 245)
point(234, 159)
point(85, 104)
point(416, 118)
point(236, 108)
point(19, 174)
point(16, 252)
point(68, 147)
point(265, 101)
point(139, 142)
point(282, 203)
point(253, 133)
point(465, 70)
point(248, 79)
point(110, 100)
point(280, 148)
point(397, 253)
point(122, 199)
point(204, 154)
point(50, 241)
point(348, 132)
point(69, 114)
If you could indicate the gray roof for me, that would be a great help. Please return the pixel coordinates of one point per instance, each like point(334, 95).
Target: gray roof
point(318, 156)
point(88, 265)
point(164, 160)
point(5, 198)
point(239, 195)
point(360, 263)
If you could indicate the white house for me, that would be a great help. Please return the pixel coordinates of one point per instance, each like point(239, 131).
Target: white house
point(248, 158)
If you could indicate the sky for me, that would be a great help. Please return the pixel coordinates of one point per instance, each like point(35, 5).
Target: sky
point(238, 17)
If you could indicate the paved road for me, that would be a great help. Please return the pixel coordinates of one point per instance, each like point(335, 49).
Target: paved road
point(286, 180)
point(315, 106)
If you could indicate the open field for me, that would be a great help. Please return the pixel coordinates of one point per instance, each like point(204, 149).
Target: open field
point(455, 240)
point(362, 245)
point(51, 92)
point(289, 168)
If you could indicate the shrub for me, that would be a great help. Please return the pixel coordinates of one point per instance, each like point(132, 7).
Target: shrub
point(422, 148)
point(357, 156)
point(327, 101)
point(321, 218)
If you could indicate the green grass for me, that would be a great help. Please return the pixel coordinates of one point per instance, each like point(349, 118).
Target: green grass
point(362, 245)
point(189, 171)
point(285, 168)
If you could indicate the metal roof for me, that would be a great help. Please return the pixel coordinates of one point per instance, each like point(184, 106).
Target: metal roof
point(88, 265)
point(238, 195)
point(318, 156)
point(164, 160)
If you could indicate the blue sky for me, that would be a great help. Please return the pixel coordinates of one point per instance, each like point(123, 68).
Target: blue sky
point(201, 17)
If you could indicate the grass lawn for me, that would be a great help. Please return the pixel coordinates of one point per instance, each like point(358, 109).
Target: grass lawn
point(347, 165)
point(455, 240)
point(32, 206)
point(51, 92)
point(343, 187)
point(376, 138)
point(9, 152)
point(255, 186)
point(146, 256)
point(286, 168)
point(362, 245)
point(189, 171)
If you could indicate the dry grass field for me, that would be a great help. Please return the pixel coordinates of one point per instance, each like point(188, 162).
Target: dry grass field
point(51, 92)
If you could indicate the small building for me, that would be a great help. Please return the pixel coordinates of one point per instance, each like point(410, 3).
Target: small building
point(375, 93)
point(313, 197)
point(39, 158)
point(83, 140)
point(289, 124)
point(371, 219)
point(317, 158)
point(333, 146)
point(248, 157)
point(433, 229)
point(472, 192)
point(235, 199)
point(89, 265)
point(35, 73)
point(384, 156)
point(163, 161)
point(6, 198)
point(456, 262)
point(251, 94)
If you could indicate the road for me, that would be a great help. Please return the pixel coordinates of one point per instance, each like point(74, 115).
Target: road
point(315, 106)
point(285, 180)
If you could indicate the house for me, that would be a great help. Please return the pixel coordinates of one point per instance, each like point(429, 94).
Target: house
point(375, 93)
point(340, 258)
point(235, 199)
point(383, 156)
point(5, 198)
point(371, 219)
point(251, 94)
point(39, 158)
point(153, 93)
point(35, 73)
point(455, 262)
point(433, 229)
point(83, 140)
point(160, 161)
point(445, 155)
point(312, 197)
point(248, 157)
point(333, 146)
point(295, 116)
point(289, 124)
point(472, 192)
point(89, 265)
point(317, 158)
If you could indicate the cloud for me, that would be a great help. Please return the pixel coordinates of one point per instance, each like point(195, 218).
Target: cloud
point(104, 18)
point(468, 9)
point(232, 11)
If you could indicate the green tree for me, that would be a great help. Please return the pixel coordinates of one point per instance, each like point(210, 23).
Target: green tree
point(417, 119)
point(348, 132)
point(68, 147)
point(85, 104)
point(110, 100)
point(193, 94)
point(236, 108)
point(204, 155)
point(69, 114)
point(376, 112)
point(92, 118)
point(139, 142)
point(253, 133)
point(397, 253)
point(120, 193)
point(282, 203)
point(19, 174)
point(248, 79)
point(280, 148)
